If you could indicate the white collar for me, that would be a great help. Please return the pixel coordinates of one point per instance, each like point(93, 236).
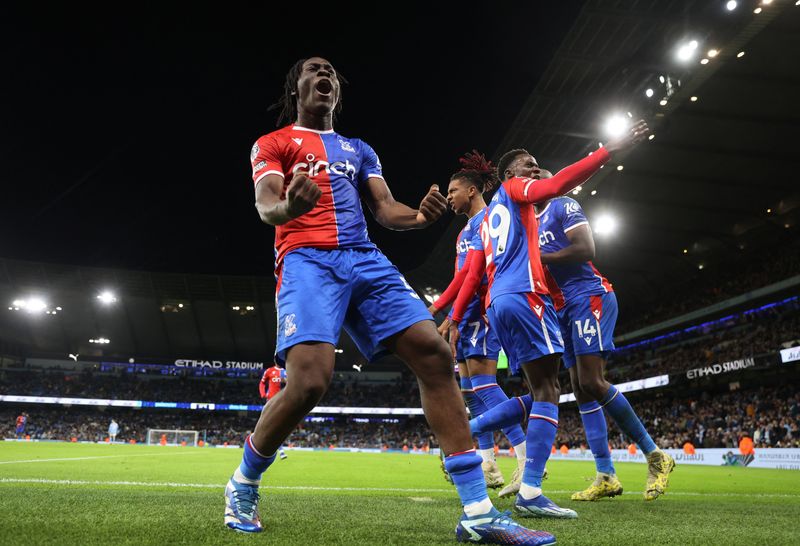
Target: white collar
point(298, 128)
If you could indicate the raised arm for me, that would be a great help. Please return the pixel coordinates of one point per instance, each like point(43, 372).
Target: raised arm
point(394, 215)
point(530, 190)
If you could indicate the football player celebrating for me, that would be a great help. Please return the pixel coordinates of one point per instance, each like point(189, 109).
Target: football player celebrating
point(309, 182)
point(520, 309)
point(587, 312)
point(478, 347)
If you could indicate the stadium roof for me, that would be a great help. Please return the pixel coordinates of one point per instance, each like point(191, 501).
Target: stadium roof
point(721, 171)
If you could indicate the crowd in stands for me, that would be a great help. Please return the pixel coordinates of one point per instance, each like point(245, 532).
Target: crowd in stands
point(745, 335)
point(768, 415)
point(214, 428)
point(742, 336)
point(125, 386)
point(740, 274)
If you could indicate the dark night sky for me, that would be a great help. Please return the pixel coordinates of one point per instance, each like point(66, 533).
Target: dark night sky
point(125, 138)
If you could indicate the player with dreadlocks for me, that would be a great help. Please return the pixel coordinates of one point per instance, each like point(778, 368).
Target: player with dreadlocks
point(478, 347)
point(309, 182)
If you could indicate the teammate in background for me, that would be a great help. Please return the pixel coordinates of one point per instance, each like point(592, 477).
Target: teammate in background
point(587, 312)
point(113, 430)
point(19, 429)
point(309, 182)
point(270, 385)
point(520, 309)
point(478, 347)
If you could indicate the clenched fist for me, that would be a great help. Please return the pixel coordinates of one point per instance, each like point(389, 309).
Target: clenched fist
point(432, 207)
point(302, 194)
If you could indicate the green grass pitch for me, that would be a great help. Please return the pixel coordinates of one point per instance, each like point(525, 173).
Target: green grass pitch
point(101, 494)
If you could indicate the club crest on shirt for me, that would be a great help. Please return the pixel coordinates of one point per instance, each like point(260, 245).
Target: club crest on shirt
point(289, 327)
point(346, 146)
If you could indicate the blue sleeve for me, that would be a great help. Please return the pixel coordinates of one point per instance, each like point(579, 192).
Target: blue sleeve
point(370, 164)
point(283, 374)
point(570, 214)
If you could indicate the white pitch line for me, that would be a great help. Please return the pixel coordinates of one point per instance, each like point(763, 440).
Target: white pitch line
point(96, 457)
point(220, 486)
point(364, 489)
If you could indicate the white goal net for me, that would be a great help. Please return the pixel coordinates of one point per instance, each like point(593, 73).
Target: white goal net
point(167, 437)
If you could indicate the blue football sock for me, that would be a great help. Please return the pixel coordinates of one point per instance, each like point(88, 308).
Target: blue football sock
point(465, 469)
point(594, 424)
point(508, 413)
point(617, 406)
point(476, 408)
point(542, 428)
point(253, 463)
point(486, 387)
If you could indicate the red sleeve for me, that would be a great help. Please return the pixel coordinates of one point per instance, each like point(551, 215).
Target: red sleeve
point(451, 292)
point(477, 268)
point(265, 158)
point(528, 190)
point(262, 385)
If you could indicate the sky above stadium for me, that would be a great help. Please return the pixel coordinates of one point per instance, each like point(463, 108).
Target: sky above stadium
point(125, 138)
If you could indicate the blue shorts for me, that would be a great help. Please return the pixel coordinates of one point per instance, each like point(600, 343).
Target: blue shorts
point(527, 326)
point(476, 339)
point(321, 291)
point(587, 323)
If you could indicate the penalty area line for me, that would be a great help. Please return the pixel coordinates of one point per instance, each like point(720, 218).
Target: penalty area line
point(45, 481)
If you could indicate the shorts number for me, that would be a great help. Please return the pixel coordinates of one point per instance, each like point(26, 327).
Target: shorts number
point(476, 327)
point(586, 328)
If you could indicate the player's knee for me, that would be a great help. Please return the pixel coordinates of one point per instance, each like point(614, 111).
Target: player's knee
point(548, 391)
point(435, 351)
point(309, 390)
point(594, 387)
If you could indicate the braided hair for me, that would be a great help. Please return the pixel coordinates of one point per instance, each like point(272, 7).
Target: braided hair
point(288, 102)
point(477, 171)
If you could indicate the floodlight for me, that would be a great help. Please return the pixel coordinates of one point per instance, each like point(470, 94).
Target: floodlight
point(605, 225)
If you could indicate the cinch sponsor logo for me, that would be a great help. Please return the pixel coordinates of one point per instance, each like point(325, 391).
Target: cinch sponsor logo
point(717, 369)
point(546, 237)
point(463, 246)
point(314, 167)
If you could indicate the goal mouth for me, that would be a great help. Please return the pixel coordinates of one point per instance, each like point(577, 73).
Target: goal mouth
point(172, 437)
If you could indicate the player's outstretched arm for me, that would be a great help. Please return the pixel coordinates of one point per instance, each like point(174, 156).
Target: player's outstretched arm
point(302, 195)
point(580, 249)
point(394, 215)
point(536, 191)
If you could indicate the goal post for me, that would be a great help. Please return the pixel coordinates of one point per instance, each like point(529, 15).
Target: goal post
point(171, 437)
